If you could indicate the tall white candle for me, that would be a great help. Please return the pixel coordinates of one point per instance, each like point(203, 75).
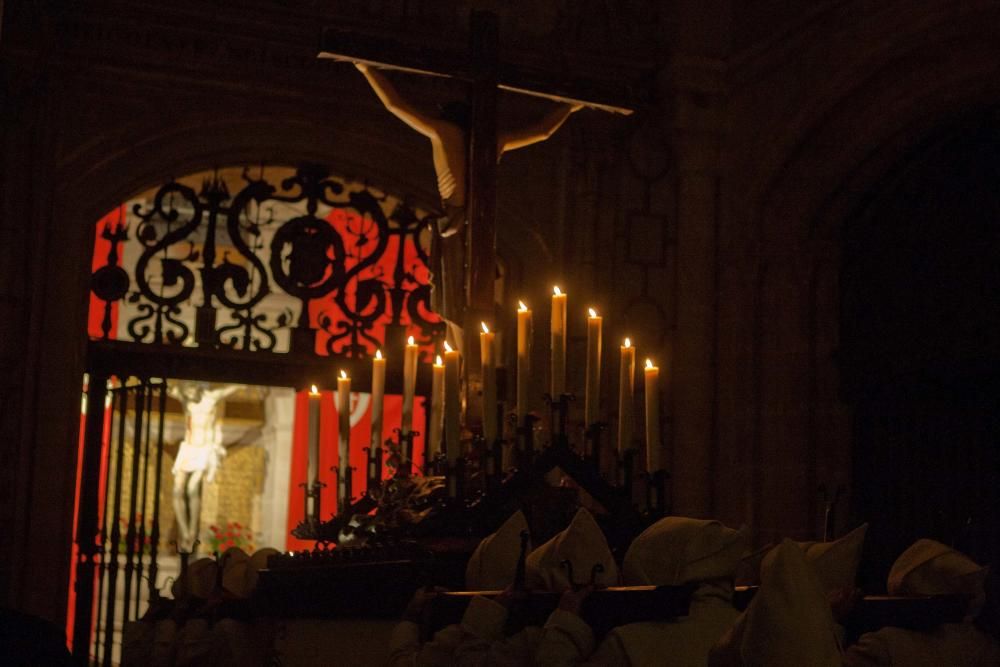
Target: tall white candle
point(452, 405)
point(486, 338)
point(437, 408)
point(523, 360)
point(314, 404)
point(344, 449)
point(558, 330)
point(626, 396)
point(592, 398)
point(378, 399)
point(409, 385)
point(654, 458)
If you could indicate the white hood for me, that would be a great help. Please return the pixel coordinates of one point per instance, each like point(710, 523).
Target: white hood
point(494, 562)
point(583, 544)
point(932, 568)
point(789, 622)
point(837, 562)
point(678, 550)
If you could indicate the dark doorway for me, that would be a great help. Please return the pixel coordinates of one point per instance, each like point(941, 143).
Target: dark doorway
point(920, 334)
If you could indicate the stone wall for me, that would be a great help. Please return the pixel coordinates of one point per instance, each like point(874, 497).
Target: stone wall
point(235, 494)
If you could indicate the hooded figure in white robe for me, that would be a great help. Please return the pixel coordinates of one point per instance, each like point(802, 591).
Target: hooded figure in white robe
point(583, 544)
point(672, 552)
point(479, 638)
point(932, 568)
point(789, 622)
point(837, 562)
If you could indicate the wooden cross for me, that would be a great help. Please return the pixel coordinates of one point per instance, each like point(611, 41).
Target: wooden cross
point(482, 69)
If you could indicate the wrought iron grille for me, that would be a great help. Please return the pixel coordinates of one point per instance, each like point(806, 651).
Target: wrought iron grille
point(264, 260)
point(118, 526)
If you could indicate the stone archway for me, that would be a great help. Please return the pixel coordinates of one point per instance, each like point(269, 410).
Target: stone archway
point(920, 357)
point(805, 158)
point(91, 181)
point(90, 175)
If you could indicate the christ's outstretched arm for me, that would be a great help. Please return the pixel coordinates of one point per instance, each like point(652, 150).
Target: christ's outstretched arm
point(540, 131)
point(400, 108)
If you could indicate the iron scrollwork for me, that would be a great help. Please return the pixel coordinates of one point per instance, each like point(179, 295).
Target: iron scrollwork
point(230, 252)
point(110, 283)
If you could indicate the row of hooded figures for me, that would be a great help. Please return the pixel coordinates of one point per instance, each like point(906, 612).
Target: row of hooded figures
point(806, 592)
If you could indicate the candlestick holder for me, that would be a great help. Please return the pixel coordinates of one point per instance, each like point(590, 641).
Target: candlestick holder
point(455, 478)
point(656, 493)
point(495, 468)
point(405, 441)
point(308, 505)
point(312, 502)
point(626, 471)
point(559, 410)
point(592, 436)
point(374, 475)
point(310, 527)
point(344, 492)
point(526, 438)
point(483, 455)
point(437, 466)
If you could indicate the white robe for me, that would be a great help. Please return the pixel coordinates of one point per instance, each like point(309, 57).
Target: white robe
point(673, 551)
point(477, 640)
point(682, 642)
point(953, 644)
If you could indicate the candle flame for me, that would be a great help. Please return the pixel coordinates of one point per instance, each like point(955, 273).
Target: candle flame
point(628, 342)
point(593, 313)
point(521, 306)
point(314, 390)
point(343, 374)
point(649, 363)
point(378, 354)
point(556, 290)
point(410, 341)
point(438, 362)
point(447, 348)
point(486, 329)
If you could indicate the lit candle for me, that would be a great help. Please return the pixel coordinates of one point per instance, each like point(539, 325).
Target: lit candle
point(378, 399)
point(592, 399)
point(489, 385)
point(653, 444)
point(523, 360)
point(409, 385)
point(314, 402)
point(452, 405)
point(344, 449)
point(558, 384)
point(626, 388)
point(437, 408)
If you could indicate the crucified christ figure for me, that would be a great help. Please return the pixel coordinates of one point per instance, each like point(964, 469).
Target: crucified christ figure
point(199, 453)
point(449, 132)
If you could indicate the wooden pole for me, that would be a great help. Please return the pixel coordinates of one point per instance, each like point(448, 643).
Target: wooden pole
point(481, 199)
